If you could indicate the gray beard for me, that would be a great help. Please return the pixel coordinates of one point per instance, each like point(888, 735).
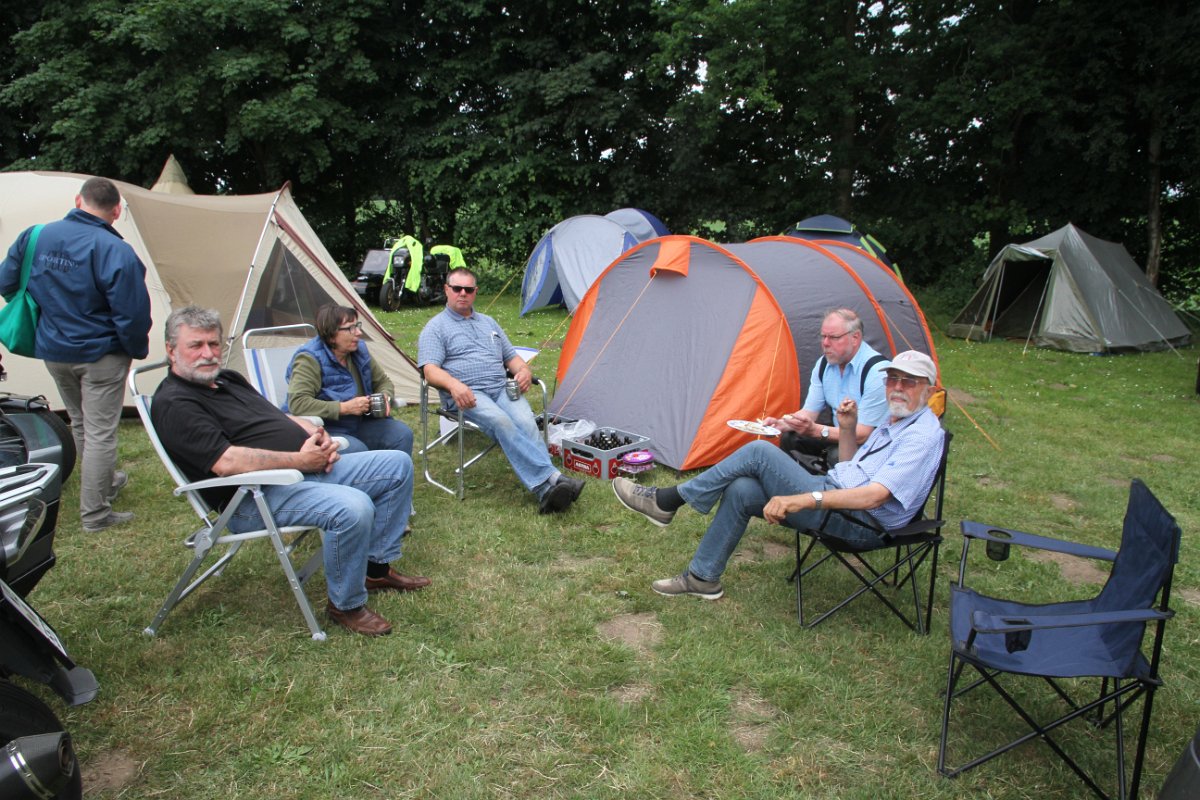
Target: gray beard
point(899, 410)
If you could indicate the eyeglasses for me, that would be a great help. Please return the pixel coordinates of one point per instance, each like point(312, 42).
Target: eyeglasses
point(464, 289)
point(834, 337)
point(353, 326)
point(903, 380)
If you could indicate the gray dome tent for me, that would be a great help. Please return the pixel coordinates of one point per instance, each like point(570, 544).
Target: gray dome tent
point(1070, 291)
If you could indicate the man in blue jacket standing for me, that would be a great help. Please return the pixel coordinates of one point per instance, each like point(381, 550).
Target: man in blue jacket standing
point(90, 287)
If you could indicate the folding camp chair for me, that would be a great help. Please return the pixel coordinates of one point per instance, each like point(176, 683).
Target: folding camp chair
point(905, 549)
point(214, 531)
point(266, 366)
point(454, 426)
point(1098, 638)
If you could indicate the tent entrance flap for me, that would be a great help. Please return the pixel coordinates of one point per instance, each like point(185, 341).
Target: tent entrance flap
point(1018, 299)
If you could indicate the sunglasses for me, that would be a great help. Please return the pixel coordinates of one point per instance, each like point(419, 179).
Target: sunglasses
point(903, 380)
point(466, 289)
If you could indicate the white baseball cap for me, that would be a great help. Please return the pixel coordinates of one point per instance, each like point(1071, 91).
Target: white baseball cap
point(915, 363)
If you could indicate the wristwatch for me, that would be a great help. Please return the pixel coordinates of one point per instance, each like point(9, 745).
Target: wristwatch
point(824, 431)
point(817, 498)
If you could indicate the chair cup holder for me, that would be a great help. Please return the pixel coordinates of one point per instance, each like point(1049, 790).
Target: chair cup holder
point(998, 551)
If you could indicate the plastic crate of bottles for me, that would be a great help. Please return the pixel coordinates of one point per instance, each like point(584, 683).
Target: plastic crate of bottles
point(599, 453)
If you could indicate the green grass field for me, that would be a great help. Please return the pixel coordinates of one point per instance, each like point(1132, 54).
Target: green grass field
point(540, 664)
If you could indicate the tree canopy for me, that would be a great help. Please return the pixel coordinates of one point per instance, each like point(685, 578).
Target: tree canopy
point(934, 124)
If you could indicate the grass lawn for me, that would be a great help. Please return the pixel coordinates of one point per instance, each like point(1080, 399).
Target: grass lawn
point(540, 664)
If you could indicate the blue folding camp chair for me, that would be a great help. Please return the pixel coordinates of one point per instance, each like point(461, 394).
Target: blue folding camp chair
point(1098, 638)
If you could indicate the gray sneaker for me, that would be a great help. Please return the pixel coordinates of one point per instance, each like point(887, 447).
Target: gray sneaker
point(687, 583)
point(119, 481)
point(642, 500)
point(113, 518)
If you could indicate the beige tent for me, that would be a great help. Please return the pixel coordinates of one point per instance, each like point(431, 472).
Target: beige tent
point(254, 258)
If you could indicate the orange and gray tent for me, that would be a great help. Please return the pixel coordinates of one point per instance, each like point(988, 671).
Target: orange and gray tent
point(680, 335)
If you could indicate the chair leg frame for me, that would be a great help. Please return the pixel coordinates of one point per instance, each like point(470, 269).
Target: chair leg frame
point(204, 541)
point(909, 562)
point(1122, 695)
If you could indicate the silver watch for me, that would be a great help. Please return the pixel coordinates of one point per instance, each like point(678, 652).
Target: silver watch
point(817, 498)
point(824, 431)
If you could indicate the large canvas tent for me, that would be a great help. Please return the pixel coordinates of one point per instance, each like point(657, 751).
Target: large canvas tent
point(572, 254)
point(1070, 291)
point(254, 258)
point(680, 335)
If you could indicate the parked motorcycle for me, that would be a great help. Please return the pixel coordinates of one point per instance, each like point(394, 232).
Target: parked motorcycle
point(37, 759)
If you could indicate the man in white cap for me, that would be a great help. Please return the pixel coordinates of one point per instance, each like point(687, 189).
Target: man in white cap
point(885, 481)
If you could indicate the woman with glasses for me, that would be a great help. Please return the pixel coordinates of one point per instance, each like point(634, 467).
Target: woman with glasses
point(332, 376)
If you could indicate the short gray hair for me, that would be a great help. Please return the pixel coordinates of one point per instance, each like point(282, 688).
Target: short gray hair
point(853, 322)
point(202, 319)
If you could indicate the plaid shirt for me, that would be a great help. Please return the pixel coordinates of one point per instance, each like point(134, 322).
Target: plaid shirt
point(904, 457)
point(473, 349)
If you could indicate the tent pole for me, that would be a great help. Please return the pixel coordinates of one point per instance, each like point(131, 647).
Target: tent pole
point(994, 304)
point(231, 332)
point(1038, 313)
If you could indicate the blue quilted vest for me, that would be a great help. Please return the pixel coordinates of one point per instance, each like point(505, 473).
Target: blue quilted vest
point(337, 383)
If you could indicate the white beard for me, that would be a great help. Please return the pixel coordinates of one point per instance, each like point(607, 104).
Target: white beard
point(900, 410)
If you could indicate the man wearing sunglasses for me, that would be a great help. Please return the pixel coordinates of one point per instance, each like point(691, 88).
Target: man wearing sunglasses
point(468, 357)
point(885, 481)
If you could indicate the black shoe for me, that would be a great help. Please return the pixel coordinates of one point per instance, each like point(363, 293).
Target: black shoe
point(558, 498)
point(576, 486)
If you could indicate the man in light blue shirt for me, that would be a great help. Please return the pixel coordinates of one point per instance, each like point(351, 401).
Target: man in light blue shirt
point(883, 482)
point(467, 356)
point(849, 368)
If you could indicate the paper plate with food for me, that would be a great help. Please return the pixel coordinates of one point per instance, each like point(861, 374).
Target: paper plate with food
point(752, 427)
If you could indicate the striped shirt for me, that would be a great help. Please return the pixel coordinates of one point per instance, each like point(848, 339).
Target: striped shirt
point(902, 456)
point(472, 349)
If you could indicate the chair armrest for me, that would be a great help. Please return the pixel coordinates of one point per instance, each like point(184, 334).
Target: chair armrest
point(261, 477)
point(917, 526)
point(992, 533)
point(983, 622)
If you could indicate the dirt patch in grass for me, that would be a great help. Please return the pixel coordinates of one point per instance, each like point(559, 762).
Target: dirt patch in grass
point(1075, 570)
point(110, 771)
point(990, 481)
point(642, 631)
point(1062, 502)
point(1190, 596)
point(1162, 458)
point(762, 550)
point(751, 719)
point(630, 693)
point(959, 396)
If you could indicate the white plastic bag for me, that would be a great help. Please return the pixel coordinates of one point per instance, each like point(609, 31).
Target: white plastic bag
point(579, 429)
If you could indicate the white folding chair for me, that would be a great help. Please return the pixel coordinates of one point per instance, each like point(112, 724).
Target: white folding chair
point(266, 366)
point(214, 530)
point(453, 426)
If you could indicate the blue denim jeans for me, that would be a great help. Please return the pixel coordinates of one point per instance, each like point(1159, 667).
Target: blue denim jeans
point(361, 506)
point(744, 482)
point(511, 423)
point(383, 433)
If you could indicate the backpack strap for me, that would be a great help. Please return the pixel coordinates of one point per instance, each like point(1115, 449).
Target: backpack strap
point(871, 362)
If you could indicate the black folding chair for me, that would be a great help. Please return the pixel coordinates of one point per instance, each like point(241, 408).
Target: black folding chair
point(904, 550)
point(1100, 638)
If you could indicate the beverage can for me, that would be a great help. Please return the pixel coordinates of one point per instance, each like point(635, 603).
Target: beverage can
point(512, 389)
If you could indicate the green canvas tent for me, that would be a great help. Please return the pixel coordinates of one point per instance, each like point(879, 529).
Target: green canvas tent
point(1070, 291)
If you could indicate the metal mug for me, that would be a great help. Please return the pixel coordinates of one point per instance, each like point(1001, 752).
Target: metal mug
point(379, 406)
point(512, 388)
